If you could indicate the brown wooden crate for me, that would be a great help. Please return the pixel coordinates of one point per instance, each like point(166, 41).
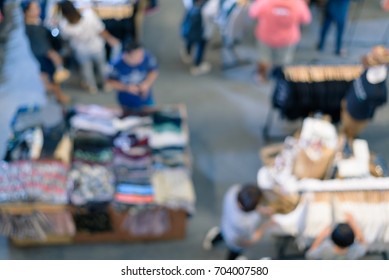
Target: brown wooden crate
point(27, 208)
point(51, 240)
point(177, 232)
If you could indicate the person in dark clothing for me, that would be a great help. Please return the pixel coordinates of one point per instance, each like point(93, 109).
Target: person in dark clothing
point(193, 32)
point(367, 93)
point(335, 11)
point(52, 71)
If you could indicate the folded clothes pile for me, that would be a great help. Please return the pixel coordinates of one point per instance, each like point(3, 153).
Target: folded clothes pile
point(89, 184)
point(38, 181)
point(91, 179)
point(36, 133)
point(93, 222)
point(91, 147)
point(132, 167)
point(173, 188)
point(134, 148)
point(127, 193)
point(167, 130)
point(169, 140)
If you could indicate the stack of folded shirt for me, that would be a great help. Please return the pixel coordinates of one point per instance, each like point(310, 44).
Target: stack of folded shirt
point(91, 179)
point(90, 184)
point(132, 166)
point(90, 123)
point(169, 141)
point(128, 193)
point(92, 148)
point(170, 157)
point(174, 188)
point(38, 181)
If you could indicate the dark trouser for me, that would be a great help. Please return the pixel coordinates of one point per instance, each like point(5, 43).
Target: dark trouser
point(340, 24)
point(200, 45)
point(337, 14)
point(231, 254)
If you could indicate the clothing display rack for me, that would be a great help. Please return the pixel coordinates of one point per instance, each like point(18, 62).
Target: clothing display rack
point(304, 90)
point(323, 208)
point(323, 202)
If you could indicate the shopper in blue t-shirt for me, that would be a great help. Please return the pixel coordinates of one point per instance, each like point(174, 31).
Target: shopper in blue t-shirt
point(133, 76)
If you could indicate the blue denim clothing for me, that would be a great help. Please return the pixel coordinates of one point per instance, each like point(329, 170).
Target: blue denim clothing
point(336, 11)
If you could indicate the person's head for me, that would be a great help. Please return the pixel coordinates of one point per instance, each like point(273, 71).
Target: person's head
point(379, 55)
point(249, 197)
point(69, 12)
point(133, 52)
point(31, 9)
point(343, 236)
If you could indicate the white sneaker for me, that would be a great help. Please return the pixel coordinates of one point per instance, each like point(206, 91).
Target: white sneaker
point(185, 57)
point(241, 258)
point(211, 234)
point(202, 69)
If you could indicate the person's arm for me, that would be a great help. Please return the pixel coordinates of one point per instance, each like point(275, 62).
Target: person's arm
point(305, 13)
point(114, 81)
point(319, 246)
point(146, 85)
point(118, 86)
point(320, 238)
point(257, 234)
point(100, 28)
point(354, 226)
point(111, 40)
point(152, 68)
point(256, 9)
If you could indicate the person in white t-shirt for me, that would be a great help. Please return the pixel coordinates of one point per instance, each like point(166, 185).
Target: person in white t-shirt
point(87, 35)
point(242, 221)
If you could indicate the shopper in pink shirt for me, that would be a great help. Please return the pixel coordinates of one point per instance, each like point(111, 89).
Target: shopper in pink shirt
point(278, 30)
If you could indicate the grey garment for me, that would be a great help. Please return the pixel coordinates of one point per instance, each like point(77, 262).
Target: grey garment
point(276, 56)
point(237, 225)
point(237, 25)
point(87, 64)
point(326, 251)
point(17, 88)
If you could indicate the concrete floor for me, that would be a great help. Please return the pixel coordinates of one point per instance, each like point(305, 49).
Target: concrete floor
point(227, 111)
